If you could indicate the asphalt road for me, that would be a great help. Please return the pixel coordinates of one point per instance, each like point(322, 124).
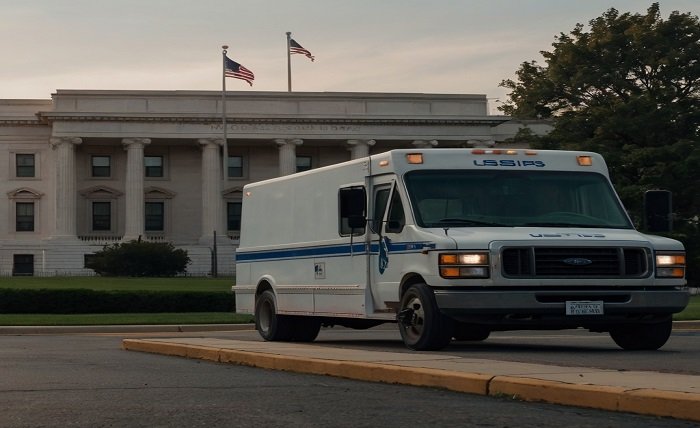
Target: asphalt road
point(89, 381)
point(681, 354)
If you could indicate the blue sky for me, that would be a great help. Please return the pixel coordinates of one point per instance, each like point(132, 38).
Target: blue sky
point(428, 46)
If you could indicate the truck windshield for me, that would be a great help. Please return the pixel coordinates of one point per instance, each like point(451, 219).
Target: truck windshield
point(468, 198)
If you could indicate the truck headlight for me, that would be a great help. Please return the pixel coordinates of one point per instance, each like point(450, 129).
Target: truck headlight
point(670, 265)
point(464, 265)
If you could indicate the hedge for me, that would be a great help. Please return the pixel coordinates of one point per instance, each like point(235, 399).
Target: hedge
point(84, 301)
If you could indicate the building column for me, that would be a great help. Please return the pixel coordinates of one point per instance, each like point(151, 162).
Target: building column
point(135, 217)
point(65, 185)
point(425, 144)
point(360, 148)
point(212, 208)
point(288, 155)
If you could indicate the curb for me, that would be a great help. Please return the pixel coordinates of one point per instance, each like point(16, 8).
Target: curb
point(679, 405)
point(686, 325)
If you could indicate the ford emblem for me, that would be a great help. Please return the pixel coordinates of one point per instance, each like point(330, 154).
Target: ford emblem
point(577, 261)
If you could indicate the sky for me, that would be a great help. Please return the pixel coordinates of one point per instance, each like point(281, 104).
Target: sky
point(413, 46)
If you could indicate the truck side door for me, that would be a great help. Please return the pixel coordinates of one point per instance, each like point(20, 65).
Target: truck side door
point(386, 226)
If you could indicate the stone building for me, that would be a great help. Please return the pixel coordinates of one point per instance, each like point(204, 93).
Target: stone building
point(93, 167)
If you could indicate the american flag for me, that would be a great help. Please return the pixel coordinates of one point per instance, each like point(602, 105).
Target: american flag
point(296, 48)
point(235, 70)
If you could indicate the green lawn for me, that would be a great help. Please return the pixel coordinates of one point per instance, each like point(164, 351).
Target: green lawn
point(121, 284)
point(124, 319)
point(692, 312)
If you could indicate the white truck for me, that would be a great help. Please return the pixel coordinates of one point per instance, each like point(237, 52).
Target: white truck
point(454, 244)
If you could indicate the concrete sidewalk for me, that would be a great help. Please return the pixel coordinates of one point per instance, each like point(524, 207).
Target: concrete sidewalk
point(649, 393)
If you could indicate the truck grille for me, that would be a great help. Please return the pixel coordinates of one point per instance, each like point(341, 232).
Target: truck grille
point(594, 262)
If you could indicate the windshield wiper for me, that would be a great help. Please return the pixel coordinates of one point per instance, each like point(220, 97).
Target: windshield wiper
point(469, 222)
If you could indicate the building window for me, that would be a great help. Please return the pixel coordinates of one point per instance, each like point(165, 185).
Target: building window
point(155, 216)
point(23, 264)
point(101, 166)
point(235, 166)
point(303, 163)
point(24, 216)
point(25, 165)
point(233, 215)
point(153, 165)
point(101, 216)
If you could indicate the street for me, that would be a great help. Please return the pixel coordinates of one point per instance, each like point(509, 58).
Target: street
point(88, 380)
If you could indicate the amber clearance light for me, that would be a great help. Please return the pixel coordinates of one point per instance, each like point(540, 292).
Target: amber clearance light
point(414, 158)
point(584, 160)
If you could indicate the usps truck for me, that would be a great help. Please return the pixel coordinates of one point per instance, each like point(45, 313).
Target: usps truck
point(452, 244)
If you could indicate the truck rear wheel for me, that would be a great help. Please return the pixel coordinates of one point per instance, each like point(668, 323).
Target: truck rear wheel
point(270, 325)
point(642, 336)
point(423, 327)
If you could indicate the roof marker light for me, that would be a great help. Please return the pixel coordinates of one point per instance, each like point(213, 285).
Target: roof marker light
point(414, 158)
point(584, 160)
point(494, 152)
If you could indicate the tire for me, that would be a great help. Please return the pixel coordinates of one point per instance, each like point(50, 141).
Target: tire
point(305, 329)
point(642, 336)
point(421, 324)
point(271, 326)
point(471, 332)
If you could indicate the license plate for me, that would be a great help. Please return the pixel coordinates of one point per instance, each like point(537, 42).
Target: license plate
point(584, 307)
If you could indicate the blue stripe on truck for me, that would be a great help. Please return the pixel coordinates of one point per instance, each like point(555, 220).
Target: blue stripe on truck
point(340, 250)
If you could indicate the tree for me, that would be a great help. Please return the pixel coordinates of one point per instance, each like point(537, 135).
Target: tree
point(628, 88)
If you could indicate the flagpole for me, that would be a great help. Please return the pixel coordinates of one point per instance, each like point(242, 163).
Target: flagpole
point(223, 119)
point(289, 64)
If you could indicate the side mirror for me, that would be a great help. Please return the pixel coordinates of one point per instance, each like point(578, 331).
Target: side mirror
point(658, 211)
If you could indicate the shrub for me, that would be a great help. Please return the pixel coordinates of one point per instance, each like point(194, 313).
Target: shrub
point(138, 258)
point(84, 301)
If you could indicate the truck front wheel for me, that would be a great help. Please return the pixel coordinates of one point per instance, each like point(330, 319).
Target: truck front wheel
point(642, 336)
point(270, 325)
point(423, 327)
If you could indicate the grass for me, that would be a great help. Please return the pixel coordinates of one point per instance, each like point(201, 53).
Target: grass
point(120, 284)
point(124, 319)
point(692, 312)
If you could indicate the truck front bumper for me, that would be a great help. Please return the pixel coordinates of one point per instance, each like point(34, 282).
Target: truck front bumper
point(522, 305)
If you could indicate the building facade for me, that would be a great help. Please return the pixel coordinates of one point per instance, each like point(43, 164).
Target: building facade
point(90, 168)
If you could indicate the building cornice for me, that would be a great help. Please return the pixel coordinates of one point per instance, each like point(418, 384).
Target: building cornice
point(49, 117)
point(22, 122)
